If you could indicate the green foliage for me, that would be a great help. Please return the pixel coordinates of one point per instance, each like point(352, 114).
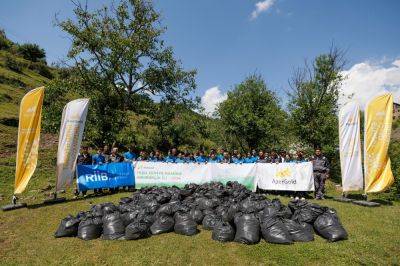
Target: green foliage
point(13, 64)
point(394, 154)
point(42, 69)
point(252, 115)
point(32, 52)
point(314, 105)
point(120, 60)
point(4, 42)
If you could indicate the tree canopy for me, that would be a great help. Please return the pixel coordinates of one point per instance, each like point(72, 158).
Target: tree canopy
point(252, 115)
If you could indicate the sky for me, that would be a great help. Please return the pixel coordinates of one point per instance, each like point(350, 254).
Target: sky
point(228, 40)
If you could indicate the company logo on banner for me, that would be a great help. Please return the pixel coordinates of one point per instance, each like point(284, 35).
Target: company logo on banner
point(378, 125)
point(30, 117)
point(109, 175)
point(71, 131)
point(285, 176)
point(350, 147)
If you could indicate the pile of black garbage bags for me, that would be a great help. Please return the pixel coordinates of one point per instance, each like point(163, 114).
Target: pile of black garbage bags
point(232, 212)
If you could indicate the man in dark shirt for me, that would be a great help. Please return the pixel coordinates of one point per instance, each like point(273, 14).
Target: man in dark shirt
point(320, 172)
point(84, 157)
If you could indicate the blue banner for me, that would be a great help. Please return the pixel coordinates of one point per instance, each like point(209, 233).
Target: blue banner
point(110, 175)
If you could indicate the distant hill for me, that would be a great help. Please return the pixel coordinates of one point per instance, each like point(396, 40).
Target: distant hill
point(17, 76)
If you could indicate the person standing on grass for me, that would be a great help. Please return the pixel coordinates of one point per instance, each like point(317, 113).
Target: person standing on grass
point(130, 155)
point(320, 172)
point(84, 157)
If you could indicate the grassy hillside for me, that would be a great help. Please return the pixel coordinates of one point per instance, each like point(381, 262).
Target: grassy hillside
point(13, 86)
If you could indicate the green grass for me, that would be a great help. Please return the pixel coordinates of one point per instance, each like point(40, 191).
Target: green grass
point(26, 235)
point(27, 238)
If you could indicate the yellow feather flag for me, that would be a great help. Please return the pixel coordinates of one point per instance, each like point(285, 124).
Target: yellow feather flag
point(30, 117)
point(378, 126)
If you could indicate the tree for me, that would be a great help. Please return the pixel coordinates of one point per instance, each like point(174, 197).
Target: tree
point(120, 61)
point(314, 99)
point(252, 116)
point(32, 52)
point(313, 104)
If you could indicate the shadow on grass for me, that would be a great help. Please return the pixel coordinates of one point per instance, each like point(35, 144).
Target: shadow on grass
point(89, 196)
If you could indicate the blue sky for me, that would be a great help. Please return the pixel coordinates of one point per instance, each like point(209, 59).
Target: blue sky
point(226, 40)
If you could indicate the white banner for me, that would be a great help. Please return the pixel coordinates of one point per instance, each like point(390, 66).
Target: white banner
point(169, 174)
point(350, 147)
point(284, 176)
point(69, 142)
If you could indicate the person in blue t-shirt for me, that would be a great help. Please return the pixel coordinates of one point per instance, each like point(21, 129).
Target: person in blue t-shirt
point(157, 157)
point(248, 158)
point(171, 158)
point(99, 157)
point(213, 158)
point(201, 158)
point(130, 155)
point(220, 154)
point(180, 158)
point(238, 159)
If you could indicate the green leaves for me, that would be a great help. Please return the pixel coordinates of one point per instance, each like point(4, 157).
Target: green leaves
point(252, 115)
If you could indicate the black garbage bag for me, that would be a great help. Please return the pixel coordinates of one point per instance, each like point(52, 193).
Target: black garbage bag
point(125, 200)
point(300, 232)
point(68, 227)
point(137, 230)
point(305, 211)
point(208, 211)
point(197, 215)
point(329, 227)
point(204, 203)
point(274, 231)
point(113, 226)
point(163, 224)
point(184, 224)
point(129, 217)
point(151, 206)
point(211, 220)
point(248, 206)
point(108, 207)
point(90, 228)
point(165, 209)
point(229, 214)
point(247, 229)
point(163, 198)
point(223, 232)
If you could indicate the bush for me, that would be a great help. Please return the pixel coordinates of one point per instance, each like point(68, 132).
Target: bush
point(13, 64)
point(394, 153)
point(42, 69)
point(5, 43)
point(32, 52)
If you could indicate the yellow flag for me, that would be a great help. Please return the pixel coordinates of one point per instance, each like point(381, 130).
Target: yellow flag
point(30, 116)
point(378, 125)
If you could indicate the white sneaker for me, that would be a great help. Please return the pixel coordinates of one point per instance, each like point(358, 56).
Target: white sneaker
point(302, 198)
point(296, 198)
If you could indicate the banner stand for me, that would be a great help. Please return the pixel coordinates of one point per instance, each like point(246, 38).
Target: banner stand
point(14, 205)
point(54, 200)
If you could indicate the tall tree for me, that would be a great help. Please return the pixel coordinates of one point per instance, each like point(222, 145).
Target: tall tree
point(119, 60)
point(314, 99)
point(252, 116)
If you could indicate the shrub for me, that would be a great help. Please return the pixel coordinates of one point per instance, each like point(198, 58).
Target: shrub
point(13, 64)
point(42, 69)
point(32, 52)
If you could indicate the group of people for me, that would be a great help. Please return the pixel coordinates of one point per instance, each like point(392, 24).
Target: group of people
point(107, 155)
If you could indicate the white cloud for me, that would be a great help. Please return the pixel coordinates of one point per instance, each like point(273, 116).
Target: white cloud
point(261, 7)
point(366, 79)
point(211, 98)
